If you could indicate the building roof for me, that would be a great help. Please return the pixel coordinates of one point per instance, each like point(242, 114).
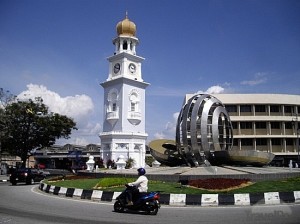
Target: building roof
point(284, 99)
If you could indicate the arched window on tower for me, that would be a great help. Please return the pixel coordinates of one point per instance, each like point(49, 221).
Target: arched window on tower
point(134, 113)
point(112, 110)
point(134, 100)
point(112, 99)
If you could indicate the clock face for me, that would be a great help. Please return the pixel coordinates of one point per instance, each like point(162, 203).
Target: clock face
point(132, 68)
point(117, 67)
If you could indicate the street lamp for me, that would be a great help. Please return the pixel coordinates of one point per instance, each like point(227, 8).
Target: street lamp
point(295, 124)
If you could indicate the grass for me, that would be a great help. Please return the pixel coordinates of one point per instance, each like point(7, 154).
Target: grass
point(287, 185)
point(117, 184)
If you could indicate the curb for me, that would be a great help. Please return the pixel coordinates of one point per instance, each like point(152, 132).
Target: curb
point(246, 199)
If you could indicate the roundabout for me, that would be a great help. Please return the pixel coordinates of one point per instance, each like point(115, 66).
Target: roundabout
point(27, 204)
point(186, 173)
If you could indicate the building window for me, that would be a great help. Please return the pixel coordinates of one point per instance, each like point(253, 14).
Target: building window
point(134, 101)
point(231, 108)
point(246, 108)
point(234, 125)
point(287, 109)
point(235, 142)
point(125, 45)
point(132, 106)
point(114, 107)
point(246, 125)
point(275, 125)
point(288, 125)
point(246, 142)
point(289, 141)
point(274, 108)
point(276, 141)
point(260, 108)
point(261, 125)
point(261, 141)
point(112, 99)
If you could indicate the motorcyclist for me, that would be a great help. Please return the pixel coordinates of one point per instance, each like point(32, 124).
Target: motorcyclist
point(139, 186)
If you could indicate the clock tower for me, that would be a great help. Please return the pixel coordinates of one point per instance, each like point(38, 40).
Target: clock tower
point(124, 100)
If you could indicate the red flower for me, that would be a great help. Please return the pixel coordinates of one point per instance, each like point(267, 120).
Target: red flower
point(217, 183)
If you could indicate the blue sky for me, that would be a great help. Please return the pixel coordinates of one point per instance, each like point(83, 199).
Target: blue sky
point(58, 48)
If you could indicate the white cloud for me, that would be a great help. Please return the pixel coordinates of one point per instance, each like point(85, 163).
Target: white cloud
point(72, 106)
point(170, 129)
point(215, 90)
point(78, 107)
point(74, 141)
point(159, 135)
point(212, 90)
point(259, 78)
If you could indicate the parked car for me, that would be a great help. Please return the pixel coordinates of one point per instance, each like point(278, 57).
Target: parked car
point(26, 175)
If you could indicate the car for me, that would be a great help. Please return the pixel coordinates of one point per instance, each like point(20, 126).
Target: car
point(26, 175)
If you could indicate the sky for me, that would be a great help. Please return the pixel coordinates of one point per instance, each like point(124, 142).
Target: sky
point(58, 50)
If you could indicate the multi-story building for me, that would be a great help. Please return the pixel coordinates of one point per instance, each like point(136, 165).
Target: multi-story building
point(265, 122)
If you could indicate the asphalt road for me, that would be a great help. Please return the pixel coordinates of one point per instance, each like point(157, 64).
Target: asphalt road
point(26, 204)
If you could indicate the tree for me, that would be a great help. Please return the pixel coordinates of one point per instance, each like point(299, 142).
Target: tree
point(28, 125)
point(5, 98)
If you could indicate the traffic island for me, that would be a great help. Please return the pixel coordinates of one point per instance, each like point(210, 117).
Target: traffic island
point(268, 198)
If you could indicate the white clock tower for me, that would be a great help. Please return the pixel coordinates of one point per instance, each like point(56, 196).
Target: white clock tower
point(124, 100)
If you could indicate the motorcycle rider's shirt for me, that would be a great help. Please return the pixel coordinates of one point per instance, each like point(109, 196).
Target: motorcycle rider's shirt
point(141, 183)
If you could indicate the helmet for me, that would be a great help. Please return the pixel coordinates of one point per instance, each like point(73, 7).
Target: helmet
point(141, 171)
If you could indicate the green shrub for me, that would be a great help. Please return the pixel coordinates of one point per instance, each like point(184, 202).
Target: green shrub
point(113, 182)
point(149, 160)
point(129, 163)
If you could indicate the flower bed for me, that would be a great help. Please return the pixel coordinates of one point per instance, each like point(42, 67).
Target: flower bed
point(219, 183)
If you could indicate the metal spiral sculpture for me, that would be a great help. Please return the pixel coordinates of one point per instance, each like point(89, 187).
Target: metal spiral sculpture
point(203, 127)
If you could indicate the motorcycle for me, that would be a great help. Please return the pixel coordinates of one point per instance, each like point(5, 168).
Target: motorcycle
point(147, 202)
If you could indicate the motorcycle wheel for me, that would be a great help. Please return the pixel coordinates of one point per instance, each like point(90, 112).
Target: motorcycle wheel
point(152, 210)
point(118, 207)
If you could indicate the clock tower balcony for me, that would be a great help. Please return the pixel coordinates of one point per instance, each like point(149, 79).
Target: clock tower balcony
point(112, 117)
point(134, 117)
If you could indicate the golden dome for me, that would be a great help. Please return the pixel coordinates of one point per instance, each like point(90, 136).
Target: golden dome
point(126, 27)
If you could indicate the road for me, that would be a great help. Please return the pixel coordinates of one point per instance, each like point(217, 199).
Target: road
point(26, 204)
